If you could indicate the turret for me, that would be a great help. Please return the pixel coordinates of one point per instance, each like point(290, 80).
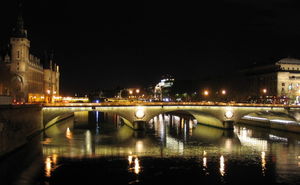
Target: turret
point(19, 31)
point(19, 45)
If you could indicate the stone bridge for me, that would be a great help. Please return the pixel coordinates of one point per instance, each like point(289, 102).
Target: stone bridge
point(136, 115)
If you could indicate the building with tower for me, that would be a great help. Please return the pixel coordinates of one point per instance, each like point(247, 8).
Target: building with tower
point(28, 79)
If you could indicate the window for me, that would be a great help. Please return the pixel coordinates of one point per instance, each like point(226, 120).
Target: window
point(283, 84)
point(18, 54)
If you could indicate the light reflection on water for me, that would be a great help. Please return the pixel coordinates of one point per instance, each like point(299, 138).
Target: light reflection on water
point(179, 138)
point(50, 164)
point(263, 162)
point(136, 166)
point(222, 166)
point(68, 133)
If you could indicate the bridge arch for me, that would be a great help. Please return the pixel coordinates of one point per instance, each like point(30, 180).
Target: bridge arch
point(203, 118)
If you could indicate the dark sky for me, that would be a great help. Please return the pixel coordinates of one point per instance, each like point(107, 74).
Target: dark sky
point(103, 44)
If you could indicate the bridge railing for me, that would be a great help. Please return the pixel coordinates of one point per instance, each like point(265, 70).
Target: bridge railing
point(138, 103)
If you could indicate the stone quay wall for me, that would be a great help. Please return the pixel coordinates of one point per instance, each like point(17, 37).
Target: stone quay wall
point(17, 124)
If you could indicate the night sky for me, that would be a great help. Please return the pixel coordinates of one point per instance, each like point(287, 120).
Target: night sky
point(104, 44)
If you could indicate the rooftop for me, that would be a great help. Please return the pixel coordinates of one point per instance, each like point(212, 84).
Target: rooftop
point(288, 61)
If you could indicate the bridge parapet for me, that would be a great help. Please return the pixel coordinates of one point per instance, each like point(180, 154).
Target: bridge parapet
point(137, 114)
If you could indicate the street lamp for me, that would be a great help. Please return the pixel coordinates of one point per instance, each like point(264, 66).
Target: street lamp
point(206, 92)
point(223, 92)
point(264, 91)
point(137, 91)
point(48, 97)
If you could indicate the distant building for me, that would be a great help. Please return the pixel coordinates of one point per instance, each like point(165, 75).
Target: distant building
point(30, 81)
point(162, 91)
point(280, 79)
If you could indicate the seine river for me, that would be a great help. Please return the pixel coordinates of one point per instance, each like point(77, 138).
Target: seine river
point(97, 148)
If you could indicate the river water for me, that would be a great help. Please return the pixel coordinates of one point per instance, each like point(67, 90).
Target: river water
point(97, 148)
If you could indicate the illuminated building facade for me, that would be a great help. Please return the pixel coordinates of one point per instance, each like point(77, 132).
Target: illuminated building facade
point(163, 89)
point(30, 81)
point(279, 79)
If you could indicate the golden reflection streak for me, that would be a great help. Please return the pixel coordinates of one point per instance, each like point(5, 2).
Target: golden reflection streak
point(69, 133)
point(204, 162)
point(204, 159)
point(48, 167)
point(136, 166)
point(54, 159)
point(263, 162)
point(222, 166)
point(130, 159)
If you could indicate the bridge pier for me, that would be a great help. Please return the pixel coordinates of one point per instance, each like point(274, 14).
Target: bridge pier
point(228, 124)
point(139, 125)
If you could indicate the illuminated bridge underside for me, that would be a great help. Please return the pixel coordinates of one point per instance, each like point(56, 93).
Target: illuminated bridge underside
point(216, 116)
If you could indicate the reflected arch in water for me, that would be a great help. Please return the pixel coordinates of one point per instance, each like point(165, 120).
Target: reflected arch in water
point(83, 117)
point(221, 137)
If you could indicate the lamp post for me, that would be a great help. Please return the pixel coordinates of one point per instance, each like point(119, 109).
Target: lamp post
point(264, 90)
point(206, 94)
point(223, 93)
point(48, 96)
point(137, 91)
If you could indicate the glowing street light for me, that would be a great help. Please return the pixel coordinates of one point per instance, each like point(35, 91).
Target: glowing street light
point(223, 92)
point(137, 91)
point(130, 92)
point(206, 93)
point(140, 113)
point(264, 90)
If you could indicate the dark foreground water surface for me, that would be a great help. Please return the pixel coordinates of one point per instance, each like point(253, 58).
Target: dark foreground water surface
point(97, 148)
